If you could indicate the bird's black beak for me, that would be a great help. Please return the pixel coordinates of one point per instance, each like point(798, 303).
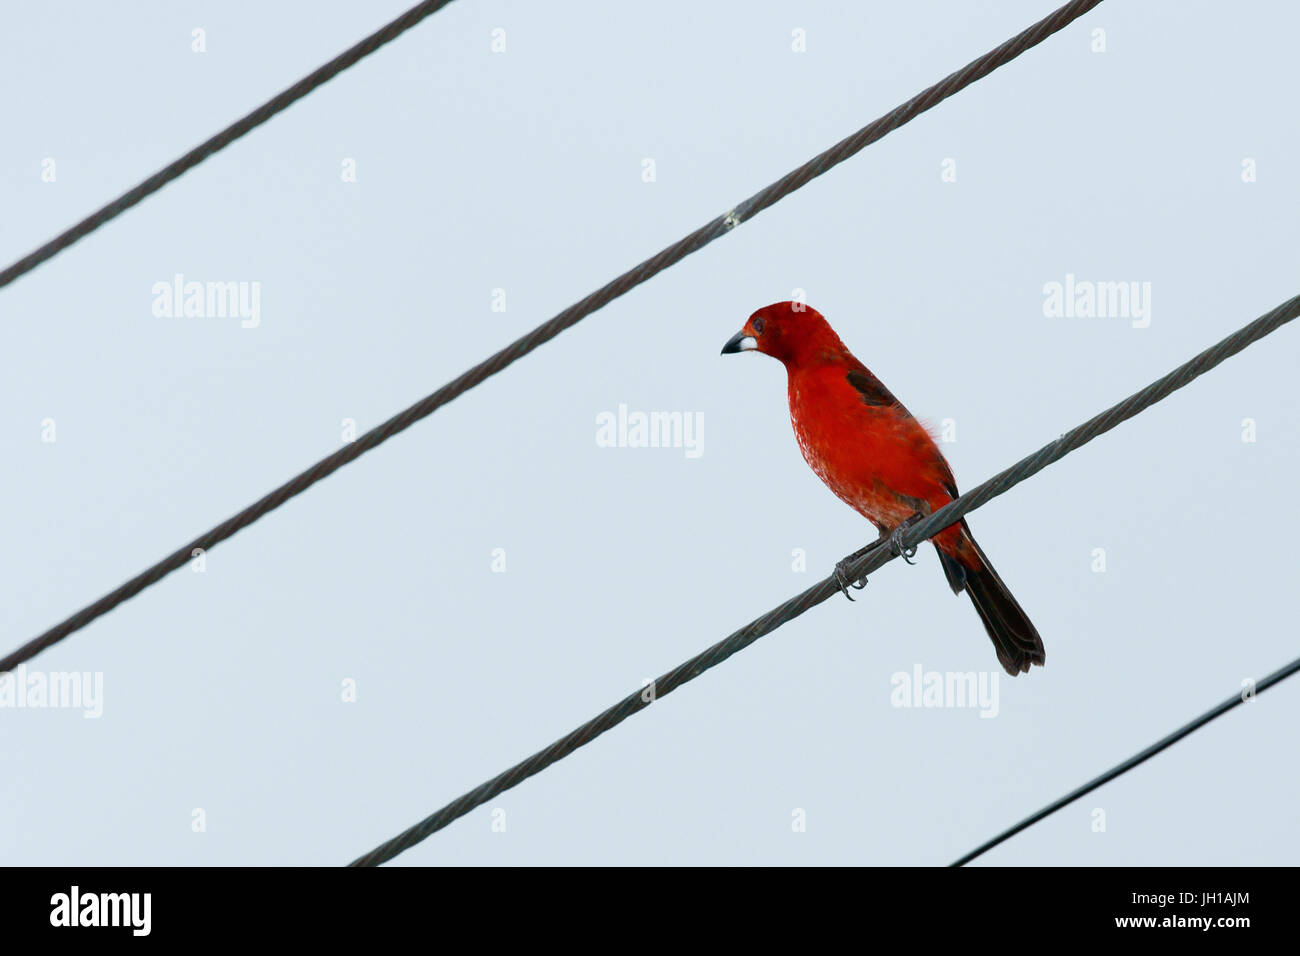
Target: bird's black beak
point(740, 342)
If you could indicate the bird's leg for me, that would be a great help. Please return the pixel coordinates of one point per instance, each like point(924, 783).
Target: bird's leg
point(896, 539)
point(841, 569)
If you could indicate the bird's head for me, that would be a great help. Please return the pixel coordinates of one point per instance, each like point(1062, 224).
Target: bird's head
point(790, 331)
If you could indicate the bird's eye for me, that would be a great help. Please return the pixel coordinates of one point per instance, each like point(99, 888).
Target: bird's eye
point(758, 324)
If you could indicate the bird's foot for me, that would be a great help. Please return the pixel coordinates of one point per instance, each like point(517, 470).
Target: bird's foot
point(842, 570)
point(841, 578)
point(896, 539)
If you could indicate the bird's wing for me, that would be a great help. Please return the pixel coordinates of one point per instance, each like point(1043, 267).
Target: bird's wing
point(871, 389)
point(874, 393)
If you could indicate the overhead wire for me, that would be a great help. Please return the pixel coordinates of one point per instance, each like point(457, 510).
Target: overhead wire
point(868, 563)
point(219, 141)
point(721, 225)
point(1252, 691)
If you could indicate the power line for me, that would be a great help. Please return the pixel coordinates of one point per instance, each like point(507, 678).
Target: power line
point(571, 316)
point(868, 563)
point(234, 131)
point(1274, 678)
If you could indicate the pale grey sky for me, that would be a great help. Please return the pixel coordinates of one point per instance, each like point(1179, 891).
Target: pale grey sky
point(523, 171)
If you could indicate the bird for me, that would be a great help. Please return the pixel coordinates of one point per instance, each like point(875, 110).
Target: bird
point(882, 462)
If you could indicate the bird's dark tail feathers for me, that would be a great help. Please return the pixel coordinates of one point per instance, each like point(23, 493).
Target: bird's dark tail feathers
point(1014, 636)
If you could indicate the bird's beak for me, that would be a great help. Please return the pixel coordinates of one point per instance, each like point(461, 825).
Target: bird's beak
point(740, 342)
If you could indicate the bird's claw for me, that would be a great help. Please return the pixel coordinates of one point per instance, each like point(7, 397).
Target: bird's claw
point(896, 546)
point(896, 540)
point(841, 578)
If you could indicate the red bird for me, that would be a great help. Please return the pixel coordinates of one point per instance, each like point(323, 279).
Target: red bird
point(881, 461)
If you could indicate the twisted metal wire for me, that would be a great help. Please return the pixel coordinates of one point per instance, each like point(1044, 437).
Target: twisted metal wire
point(871, 561)
point(221, 140)
point(1279, 675)
point(571, 316)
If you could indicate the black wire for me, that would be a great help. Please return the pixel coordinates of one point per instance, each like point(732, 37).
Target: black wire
point(548, 330)
point(234, 131)
point(876, 558)
point(1273, 678)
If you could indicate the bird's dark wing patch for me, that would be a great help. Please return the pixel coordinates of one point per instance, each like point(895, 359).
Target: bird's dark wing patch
point(871, 389)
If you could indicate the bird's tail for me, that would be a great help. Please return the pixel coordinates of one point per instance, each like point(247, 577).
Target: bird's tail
point(1014, 636)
